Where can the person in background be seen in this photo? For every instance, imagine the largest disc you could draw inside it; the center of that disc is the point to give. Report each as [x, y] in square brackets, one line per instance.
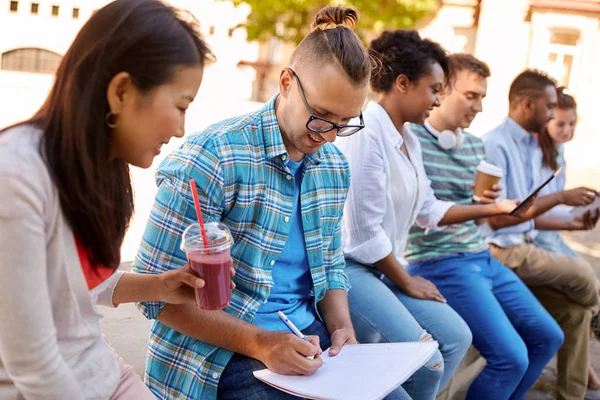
[511, 329]
[559, 131]
[389, 193]
[566, 286]
[275, 179]
[120, 93]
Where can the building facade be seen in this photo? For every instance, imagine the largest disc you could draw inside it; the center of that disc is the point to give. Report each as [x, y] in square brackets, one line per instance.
[35, 34]
[559, 37]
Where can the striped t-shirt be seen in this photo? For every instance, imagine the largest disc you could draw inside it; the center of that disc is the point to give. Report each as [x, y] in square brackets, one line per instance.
[451, 173]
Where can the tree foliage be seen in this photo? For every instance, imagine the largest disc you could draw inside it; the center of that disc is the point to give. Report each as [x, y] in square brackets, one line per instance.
[289, 20]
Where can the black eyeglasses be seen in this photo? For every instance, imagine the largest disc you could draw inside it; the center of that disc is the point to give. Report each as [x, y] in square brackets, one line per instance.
[322, 125]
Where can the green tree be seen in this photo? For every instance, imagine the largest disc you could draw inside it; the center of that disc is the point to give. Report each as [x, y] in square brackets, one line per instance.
[289, 20]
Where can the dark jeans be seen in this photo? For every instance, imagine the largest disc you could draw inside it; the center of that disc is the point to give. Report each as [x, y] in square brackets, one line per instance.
[238, 382]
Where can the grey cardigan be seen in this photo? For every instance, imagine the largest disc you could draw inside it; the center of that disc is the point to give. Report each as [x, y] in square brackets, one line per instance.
[51, 346]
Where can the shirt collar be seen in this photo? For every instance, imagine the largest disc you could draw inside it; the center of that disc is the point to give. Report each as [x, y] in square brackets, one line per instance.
[376, 111]
[272, 135]
[517, 131]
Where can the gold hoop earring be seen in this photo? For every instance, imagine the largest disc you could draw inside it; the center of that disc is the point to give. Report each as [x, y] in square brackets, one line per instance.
[108, 120]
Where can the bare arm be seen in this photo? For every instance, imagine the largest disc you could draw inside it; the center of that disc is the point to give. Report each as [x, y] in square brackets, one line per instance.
[458, 213]
[543, 223]
[393, 270]
[175, 286]
[335, 311]
[336, 314]
[413, 286]
[586, 222]
[581, 196]
[489, 197]
[539, 207]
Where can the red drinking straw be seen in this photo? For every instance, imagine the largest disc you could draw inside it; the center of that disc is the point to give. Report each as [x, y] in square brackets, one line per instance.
[199, 212]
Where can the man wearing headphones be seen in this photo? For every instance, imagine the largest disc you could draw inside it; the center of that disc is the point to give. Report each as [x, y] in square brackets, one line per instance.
[511, 329]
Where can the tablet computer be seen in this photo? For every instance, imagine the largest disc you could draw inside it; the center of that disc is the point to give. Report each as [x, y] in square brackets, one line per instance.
[536, 191]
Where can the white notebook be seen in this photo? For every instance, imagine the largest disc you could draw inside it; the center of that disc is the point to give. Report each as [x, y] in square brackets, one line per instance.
[362, 371]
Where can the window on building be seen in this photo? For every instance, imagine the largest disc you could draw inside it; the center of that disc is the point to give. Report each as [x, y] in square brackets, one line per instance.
[211, 30]
[75, 13]
[35, 8]
[562, 53]
[564, 38]
[30, 60]
[55, 11]
[230, 32]
[14, 6]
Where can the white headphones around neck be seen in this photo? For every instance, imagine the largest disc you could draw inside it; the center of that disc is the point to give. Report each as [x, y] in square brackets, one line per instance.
[449, 140]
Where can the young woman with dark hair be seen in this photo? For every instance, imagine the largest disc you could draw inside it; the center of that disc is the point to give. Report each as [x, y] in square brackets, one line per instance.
[120, 93]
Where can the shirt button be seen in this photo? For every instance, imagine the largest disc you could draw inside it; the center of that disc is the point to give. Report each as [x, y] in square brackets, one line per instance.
[289, 177]
[284, 157]
[272, 263]
[287, 219]
[215, 375]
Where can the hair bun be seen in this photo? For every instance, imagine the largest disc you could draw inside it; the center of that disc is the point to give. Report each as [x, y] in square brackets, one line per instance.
[335, 17]
[564, 90]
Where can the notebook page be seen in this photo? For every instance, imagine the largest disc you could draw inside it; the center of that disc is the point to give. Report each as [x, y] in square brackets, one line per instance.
[365, 372]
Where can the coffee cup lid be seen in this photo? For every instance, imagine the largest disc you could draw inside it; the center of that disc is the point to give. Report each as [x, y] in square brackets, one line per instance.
[217, 234]
[490, 169]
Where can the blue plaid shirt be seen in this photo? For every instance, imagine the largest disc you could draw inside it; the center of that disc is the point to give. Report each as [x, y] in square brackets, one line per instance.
[240, 166]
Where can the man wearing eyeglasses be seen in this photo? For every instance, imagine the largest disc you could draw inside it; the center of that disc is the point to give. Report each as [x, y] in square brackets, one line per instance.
[274, 178]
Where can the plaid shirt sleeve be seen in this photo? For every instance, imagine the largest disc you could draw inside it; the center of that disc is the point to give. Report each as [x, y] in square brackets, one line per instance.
[336, 277]
[173, 209]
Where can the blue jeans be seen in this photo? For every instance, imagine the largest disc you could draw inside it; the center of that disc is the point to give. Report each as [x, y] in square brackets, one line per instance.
[511, 329]
[381, 312]
[238, 382]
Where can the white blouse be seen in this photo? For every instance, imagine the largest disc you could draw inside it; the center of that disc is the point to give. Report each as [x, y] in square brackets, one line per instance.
[389, 192]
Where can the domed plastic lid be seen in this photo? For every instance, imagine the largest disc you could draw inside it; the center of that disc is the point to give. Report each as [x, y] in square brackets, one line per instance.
[217, 234]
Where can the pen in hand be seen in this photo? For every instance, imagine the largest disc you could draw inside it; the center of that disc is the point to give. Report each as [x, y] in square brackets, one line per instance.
[293, 329]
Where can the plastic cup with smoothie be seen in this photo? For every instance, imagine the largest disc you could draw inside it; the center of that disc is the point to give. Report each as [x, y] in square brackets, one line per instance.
[211, 262]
